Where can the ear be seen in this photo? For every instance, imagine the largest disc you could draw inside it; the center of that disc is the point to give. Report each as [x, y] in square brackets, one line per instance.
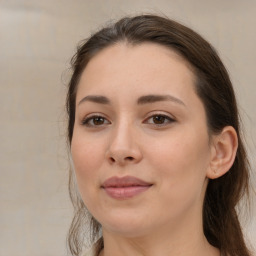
[223, 152]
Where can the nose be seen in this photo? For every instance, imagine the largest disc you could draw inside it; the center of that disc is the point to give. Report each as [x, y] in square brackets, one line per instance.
[123, 146]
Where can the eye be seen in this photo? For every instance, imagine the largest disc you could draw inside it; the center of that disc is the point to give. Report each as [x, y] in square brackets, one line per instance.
[160, 120]
[95, 120]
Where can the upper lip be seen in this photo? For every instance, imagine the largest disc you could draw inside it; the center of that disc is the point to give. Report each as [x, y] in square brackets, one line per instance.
[126, 181]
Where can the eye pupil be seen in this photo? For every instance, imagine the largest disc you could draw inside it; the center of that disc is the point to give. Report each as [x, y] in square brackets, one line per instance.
[98, 120]
[158, 119]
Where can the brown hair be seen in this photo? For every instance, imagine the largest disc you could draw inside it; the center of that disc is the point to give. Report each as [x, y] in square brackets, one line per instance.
[220, 220]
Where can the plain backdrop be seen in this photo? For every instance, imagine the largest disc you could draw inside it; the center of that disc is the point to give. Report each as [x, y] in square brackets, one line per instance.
[37, 40]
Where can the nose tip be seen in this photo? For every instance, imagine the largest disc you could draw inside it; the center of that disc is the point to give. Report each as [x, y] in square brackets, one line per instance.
[122, 160]
[124, 149]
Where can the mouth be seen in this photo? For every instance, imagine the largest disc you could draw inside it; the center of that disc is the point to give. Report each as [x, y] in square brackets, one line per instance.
[125, 187]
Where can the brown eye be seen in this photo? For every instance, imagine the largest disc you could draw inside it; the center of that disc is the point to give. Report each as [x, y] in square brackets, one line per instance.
[159, 119]
[94, 121]
[98, 120]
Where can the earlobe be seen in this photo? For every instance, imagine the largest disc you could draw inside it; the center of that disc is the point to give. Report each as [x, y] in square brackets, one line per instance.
[224, 148]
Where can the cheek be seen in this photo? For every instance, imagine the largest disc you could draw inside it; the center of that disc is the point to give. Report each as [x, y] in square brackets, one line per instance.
[181, 163]
[179, 153]
[87, 157]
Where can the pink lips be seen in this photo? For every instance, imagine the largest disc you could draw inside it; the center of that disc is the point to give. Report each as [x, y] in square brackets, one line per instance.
[125, 187]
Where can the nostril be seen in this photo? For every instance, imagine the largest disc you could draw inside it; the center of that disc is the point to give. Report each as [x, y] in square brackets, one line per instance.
[130, 158]
[112, 159]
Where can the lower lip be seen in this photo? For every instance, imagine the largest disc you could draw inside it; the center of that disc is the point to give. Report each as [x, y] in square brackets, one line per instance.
[125, 192]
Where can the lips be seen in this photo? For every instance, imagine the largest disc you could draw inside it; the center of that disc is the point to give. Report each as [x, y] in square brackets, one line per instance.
[125, 187]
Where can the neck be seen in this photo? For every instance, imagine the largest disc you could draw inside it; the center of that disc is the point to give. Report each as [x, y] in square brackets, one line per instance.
[187, 242]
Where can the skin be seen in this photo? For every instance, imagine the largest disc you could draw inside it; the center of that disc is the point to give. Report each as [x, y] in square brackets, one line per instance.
[177, 157]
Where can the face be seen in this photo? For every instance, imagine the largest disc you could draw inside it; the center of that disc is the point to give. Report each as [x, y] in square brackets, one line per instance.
[140, 143]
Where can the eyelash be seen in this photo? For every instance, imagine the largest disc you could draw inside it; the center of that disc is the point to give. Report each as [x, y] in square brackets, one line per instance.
[167, 119]
[86, 121]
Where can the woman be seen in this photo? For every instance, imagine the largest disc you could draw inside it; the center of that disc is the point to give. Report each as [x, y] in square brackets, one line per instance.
[155, 143]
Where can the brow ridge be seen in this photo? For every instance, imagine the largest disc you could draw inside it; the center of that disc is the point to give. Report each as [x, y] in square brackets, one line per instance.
[95, 98]
[152, 98]
[146, 99]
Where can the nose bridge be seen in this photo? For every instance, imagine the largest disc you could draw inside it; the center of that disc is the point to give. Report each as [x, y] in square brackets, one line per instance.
[122, 136]
[123, 145]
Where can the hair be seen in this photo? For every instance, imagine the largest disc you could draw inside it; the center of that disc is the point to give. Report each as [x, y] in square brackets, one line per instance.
[213, 86]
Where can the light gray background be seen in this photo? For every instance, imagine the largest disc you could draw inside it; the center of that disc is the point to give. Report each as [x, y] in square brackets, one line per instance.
[37, 39]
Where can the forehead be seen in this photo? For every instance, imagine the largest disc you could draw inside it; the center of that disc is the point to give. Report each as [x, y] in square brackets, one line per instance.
[145, 67]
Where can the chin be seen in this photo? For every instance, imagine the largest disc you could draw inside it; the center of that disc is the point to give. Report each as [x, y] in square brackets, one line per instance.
[125, 224]
[127, 231]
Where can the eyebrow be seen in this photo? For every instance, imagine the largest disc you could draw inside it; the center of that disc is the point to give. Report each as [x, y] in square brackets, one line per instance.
[96, 99]
[155, 98]
[152, 98]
